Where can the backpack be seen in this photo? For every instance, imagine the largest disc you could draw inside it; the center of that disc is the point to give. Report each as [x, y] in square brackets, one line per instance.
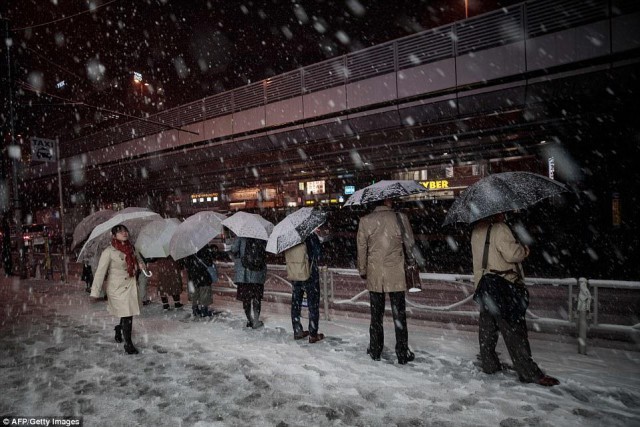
[255, 255]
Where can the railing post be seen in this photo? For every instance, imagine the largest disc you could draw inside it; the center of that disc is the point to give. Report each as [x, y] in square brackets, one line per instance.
[584, 306]
[325, 293]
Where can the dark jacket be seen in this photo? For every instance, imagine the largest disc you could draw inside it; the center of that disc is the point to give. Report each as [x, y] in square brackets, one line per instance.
[197, 272]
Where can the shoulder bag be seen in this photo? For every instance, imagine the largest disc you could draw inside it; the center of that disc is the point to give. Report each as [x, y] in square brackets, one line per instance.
[411, 270]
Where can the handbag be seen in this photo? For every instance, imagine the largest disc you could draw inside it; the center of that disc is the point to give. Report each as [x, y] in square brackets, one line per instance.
[411, 270]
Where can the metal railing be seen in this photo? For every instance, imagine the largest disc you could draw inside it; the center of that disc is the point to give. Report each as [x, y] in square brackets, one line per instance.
[579, 318]
[508, 25]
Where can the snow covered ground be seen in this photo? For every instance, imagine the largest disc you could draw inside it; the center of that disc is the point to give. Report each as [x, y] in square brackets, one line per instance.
[58, 358]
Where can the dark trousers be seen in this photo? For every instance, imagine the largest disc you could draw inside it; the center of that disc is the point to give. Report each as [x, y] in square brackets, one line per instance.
[517, 341]
[312, 286]
[376, 331]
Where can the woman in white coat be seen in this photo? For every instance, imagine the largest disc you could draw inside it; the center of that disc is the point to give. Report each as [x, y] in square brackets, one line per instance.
[118, 265]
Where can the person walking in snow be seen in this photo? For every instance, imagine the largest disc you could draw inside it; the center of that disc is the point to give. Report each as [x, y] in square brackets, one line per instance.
[302, 269]
[503, 298]
[117, 267]
[381, 264]
[250, 277]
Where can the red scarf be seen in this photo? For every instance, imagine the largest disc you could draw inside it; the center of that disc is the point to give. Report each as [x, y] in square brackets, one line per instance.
[127, 249]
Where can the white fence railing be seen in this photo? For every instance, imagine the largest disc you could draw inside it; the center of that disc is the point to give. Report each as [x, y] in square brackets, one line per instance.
[579, 317]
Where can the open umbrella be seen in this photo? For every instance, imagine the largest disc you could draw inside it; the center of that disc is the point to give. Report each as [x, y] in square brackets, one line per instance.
[194, 233]
[385, 190]
[153, 239]
[100, 237]
[294, 229]
[245, 224]
[501, 192]
[86, 226]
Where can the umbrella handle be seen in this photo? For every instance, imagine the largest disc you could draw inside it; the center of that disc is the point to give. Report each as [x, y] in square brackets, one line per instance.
[146, 273]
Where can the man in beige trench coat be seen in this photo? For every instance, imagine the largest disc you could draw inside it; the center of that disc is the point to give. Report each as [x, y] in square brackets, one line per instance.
[381, 263]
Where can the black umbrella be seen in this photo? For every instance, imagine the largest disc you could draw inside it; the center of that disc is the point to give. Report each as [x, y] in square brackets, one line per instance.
[501, 192]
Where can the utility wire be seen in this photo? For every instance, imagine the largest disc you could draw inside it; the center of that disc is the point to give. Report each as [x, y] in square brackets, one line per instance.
[65, 18]
[70, 102]
[53, 63]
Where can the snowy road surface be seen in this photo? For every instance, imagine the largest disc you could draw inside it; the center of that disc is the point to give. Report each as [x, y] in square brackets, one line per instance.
[58, 358]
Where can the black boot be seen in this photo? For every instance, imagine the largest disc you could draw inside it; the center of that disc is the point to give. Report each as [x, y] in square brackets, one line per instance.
[176, 301]
[246, 305]
[127, 328]
[205, 312]
[118, 336]
[255, 314]
[165, 303]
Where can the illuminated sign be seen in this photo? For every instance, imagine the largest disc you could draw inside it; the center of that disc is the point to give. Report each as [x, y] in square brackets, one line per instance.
[552, 168]
[61, 84]
[201, 197]
[245, 194]
[349, 189]
[442, 184]
[137, 77]
[315, 187]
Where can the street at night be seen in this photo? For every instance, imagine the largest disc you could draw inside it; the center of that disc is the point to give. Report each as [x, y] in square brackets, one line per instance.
[447, 191]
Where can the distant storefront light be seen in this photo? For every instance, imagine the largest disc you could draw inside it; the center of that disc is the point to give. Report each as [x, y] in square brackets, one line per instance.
[315, 187]
[137, 77]
[349, 189]
[201, 199]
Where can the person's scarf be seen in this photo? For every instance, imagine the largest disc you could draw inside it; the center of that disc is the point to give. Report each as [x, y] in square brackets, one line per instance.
[127, 249]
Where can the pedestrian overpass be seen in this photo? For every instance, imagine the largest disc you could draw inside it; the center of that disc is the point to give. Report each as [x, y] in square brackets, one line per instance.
[491, 86]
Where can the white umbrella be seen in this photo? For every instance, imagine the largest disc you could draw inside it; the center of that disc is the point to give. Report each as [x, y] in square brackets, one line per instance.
[385, 190]
[153, 239]
[84, 227]
[194, 233]
[133, 218]
[294, 229]
[245, 224]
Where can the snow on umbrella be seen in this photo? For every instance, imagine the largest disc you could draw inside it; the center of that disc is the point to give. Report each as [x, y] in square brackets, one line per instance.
[245, 224]
[86, 226]
[132, 218]
[294, 229]
[194, 233]
[501, 192]
[153, 239]
[385, 190]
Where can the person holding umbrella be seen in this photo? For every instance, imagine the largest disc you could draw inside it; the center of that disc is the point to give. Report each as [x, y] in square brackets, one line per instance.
[296, 236]
[117, 266]
[497, 271]
[201, 282]
[248, 252]
[302, 269]
[250, 267]
[381, 264]
[498, 277]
